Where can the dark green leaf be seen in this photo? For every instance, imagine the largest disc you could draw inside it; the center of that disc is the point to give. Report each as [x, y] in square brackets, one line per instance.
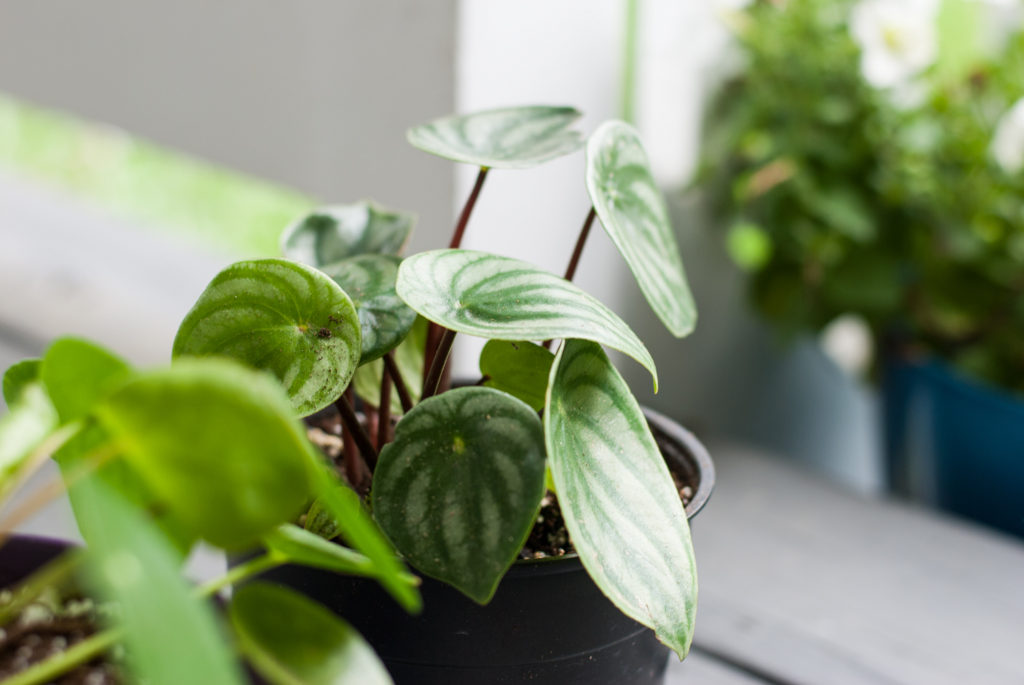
[360, 531]
[511, 138]
[320, 522]
[294, 641]
[283, 317]
[216, 442]
[458, 489]
[383, 318]
[634, 215]
[171, 636]
[506, 299]
[620, 504]
[17, 376]
[78, 374]
[330, 234]
[518, 368]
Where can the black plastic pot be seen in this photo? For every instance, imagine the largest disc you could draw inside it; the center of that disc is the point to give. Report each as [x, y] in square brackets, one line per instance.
[548, 623]
[21, 555]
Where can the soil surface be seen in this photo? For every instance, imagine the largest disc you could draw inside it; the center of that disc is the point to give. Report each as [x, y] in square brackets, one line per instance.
[46, 628]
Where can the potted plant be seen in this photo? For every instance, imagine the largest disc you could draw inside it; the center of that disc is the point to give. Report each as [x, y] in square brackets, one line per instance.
[456, 478]
[866, 164]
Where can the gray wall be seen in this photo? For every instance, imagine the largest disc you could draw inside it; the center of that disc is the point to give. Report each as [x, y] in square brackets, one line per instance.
[314, 94]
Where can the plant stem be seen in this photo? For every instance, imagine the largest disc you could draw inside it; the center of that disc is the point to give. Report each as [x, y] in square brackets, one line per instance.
[384, 410]
[39, 456]
[396, 377]
[359, 435]
[433, 330]
[62, 662]
[574, 261]
[239, 573]
[467, 209]
[50, 575]
[444, 348]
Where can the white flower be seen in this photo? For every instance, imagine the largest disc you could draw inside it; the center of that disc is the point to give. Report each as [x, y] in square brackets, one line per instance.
[897, 39]
[1008, 142]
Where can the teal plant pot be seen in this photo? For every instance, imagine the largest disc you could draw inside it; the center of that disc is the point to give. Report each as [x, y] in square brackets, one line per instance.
[955, 443]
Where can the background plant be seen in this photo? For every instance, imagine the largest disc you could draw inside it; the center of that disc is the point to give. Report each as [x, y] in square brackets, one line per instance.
[865, 161]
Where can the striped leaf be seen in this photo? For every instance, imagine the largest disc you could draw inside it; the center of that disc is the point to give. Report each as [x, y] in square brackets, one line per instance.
[510, 138]
[384, 319]
[217, 443]
[505, 299]
[458, 489]
[292, 640]
[634, 215]
[519, 368]
[330, 234]
[282, 317]
[621, 507]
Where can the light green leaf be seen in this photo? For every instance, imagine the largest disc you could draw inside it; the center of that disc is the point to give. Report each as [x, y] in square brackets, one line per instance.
[171, 637]
[218, 443]
[458, 489]
[506, 299]
[633, 213]
[283, 317]
[17, 376]
[518, 368]
[78, 374]
[330, 234]
[292, 640]
[360, 531]
[299, 546]
[510, 138]
[30, 418]
[409, 360]
[320, 522]
[620, 504]
[384, 320]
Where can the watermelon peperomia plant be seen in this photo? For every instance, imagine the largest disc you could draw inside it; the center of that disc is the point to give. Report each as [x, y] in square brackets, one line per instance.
[212, 447]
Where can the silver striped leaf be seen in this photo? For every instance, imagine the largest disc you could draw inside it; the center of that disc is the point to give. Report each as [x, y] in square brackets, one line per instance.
[330, 234]
[505, 299]
[384, 320]
[509, 138]
[620, 504]
[633, 213]
[282, 317]
[458, 489]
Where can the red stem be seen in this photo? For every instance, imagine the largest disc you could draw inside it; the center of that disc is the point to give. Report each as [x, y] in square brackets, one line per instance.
[444, 348]
[384, 410]
[580, 242]
[396, 377]
[360, 437]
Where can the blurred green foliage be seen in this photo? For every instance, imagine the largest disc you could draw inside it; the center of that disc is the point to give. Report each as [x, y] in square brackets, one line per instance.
[158, 186]
[842, 198]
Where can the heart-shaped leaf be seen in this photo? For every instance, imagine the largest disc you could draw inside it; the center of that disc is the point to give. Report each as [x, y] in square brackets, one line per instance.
[519, 368]
[283, 317]
[384, 319]
[218, 443]
[17, 376]
[330, 234]
[291, 640]
[360, 531]
[634, 215]
[620, 505]
[506, 299]
[408, 358]
[458, 489]
[171, 636]
[510, 138]
[78, 374]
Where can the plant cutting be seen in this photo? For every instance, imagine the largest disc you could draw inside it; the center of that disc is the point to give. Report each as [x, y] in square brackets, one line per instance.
[456, 477]
[866, 164]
